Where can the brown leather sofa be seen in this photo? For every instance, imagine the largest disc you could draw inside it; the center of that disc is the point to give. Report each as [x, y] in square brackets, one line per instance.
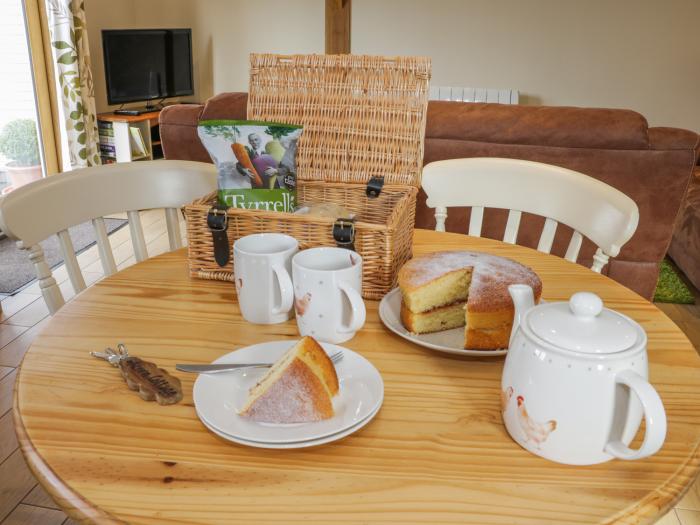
[651, 165]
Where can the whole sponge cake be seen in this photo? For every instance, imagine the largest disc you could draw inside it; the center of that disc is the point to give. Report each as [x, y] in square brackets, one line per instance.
[297, 389]
[446, 290]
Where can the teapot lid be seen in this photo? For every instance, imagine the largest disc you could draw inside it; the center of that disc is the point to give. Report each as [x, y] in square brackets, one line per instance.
[583, 325]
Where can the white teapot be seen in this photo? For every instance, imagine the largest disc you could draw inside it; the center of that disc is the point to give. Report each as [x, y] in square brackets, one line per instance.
[574, 385]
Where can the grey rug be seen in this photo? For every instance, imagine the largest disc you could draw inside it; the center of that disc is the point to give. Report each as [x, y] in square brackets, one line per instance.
[16, 270]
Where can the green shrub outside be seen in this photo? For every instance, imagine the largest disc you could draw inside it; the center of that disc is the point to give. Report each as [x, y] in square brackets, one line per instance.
[19, 142]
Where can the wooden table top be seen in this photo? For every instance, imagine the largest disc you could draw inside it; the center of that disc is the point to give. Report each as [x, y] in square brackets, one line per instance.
[437, 452]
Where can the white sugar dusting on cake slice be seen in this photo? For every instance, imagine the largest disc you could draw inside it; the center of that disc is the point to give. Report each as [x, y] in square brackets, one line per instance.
[298, 388]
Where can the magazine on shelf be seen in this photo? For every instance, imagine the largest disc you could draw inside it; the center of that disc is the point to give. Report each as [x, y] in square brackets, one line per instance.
[138, 146]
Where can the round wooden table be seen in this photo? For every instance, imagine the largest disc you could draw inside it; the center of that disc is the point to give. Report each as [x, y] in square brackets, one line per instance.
[437, 452]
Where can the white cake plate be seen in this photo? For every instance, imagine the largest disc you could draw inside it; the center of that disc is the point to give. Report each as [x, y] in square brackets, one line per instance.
[449, 341]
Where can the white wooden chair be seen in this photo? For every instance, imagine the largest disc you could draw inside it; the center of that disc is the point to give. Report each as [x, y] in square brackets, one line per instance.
[590, 207]
[50, 206]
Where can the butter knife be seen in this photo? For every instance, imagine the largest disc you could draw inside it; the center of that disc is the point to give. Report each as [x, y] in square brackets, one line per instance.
[225, 367]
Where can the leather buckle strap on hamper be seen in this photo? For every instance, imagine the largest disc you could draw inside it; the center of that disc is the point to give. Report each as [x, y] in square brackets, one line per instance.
[374, 187]
[344, 233]
[217, 220]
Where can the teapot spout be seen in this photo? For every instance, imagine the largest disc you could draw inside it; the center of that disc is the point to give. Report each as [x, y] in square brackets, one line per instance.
[523, 300]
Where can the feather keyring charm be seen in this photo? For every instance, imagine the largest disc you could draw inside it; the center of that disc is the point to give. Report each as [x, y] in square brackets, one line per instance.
[150, 382]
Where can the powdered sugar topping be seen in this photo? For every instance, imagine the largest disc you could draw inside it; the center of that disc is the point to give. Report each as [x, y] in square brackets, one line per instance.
[491, 274]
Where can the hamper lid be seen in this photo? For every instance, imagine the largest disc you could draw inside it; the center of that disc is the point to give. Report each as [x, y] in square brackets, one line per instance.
[363, 116]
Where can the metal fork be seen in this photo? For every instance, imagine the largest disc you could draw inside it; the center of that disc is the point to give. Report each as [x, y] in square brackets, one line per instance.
[227, 367]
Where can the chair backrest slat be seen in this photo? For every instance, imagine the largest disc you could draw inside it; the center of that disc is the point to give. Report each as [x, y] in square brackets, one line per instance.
[512, 227]
[88, 194]
[574, 247]
[71, 261]
[173, 223]
[593, 209]
[475, 221]
[137, 239]
[547, 236]
[104, 247]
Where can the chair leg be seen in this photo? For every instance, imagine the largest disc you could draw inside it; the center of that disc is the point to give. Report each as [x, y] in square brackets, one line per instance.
[600, 259]
[440, 216]
[49, 289]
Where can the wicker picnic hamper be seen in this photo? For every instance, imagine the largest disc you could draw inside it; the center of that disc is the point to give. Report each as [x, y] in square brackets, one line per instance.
[364, 119]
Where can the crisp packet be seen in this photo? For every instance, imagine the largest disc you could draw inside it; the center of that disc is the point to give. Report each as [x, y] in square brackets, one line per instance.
[256, 162]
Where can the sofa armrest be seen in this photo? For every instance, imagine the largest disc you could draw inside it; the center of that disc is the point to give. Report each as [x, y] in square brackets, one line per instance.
[178, 133]
[178, 124]
[673, 139]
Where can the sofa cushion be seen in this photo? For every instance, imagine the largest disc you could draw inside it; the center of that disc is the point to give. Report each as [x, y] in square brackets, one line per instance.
[561, 127]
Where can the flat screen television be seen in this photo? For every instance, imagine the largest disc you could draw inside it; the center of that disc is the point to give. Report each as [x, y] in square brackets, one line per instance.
[147, 64]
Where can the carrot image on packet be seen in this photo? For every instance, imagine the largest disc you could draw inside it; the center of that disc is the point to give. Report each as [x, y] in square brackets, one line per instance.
[242, 155]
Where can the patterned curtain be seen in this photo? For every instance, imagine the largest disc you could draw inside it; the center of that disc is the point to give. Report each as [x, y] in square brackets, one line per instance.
[71, 54]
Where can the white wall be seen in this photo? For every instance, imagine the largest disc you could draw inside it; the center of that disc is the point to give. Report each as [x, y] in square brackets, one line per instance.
[224, 33]
[229, 30]
[637, 54]
[131, 14]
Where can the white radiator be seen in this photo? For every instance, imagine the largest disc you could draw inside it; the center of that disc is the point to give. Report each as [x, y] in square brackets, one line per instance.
[459, 94]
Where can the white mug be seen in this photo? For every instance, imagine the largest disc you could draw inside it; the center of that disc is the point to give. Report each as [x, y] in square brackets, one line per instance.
[262, 266]
[322, 278]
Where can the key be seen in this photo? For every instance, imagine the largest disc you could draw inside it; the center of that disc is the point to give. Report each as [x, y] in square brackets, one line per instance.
[108, 355]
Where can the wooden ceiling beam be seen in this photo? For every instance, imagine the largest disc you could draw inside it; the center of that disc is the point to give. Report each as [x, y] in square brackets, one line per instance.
[338, 18]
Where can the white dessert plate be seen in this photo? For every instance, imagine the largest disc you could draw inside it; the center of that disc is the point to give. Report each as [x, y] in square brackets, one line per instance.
[450, 341]
[325, 439]
[219, 397]
[296, 444]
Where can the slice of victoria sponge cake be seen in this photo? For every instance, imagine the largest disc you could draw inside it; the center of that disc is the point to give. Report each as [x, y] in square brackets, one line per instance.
[297, 389]
[445, 290]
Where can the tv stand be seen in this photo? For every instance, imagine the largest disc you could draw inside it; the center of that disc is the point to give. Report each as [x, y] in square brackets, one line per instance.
[126, 138]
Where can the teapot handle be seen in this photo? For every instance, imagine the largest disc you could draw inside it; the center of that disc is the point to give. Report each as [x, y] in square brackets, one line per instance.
[654, 417]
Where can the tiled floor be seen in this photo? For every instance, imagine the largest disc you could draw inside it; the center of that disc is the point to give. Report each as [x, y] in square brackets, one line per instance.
[23, 501]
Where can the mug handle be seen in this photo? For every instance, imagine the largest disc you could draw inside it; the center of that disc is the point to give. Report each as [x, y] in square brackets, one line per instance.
[358, 309]
[654, 416]
[286, 290]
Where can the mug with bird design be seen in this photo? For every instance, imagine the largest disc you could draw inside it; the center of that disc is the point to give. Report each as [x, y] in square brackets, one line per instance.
[328, 293]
